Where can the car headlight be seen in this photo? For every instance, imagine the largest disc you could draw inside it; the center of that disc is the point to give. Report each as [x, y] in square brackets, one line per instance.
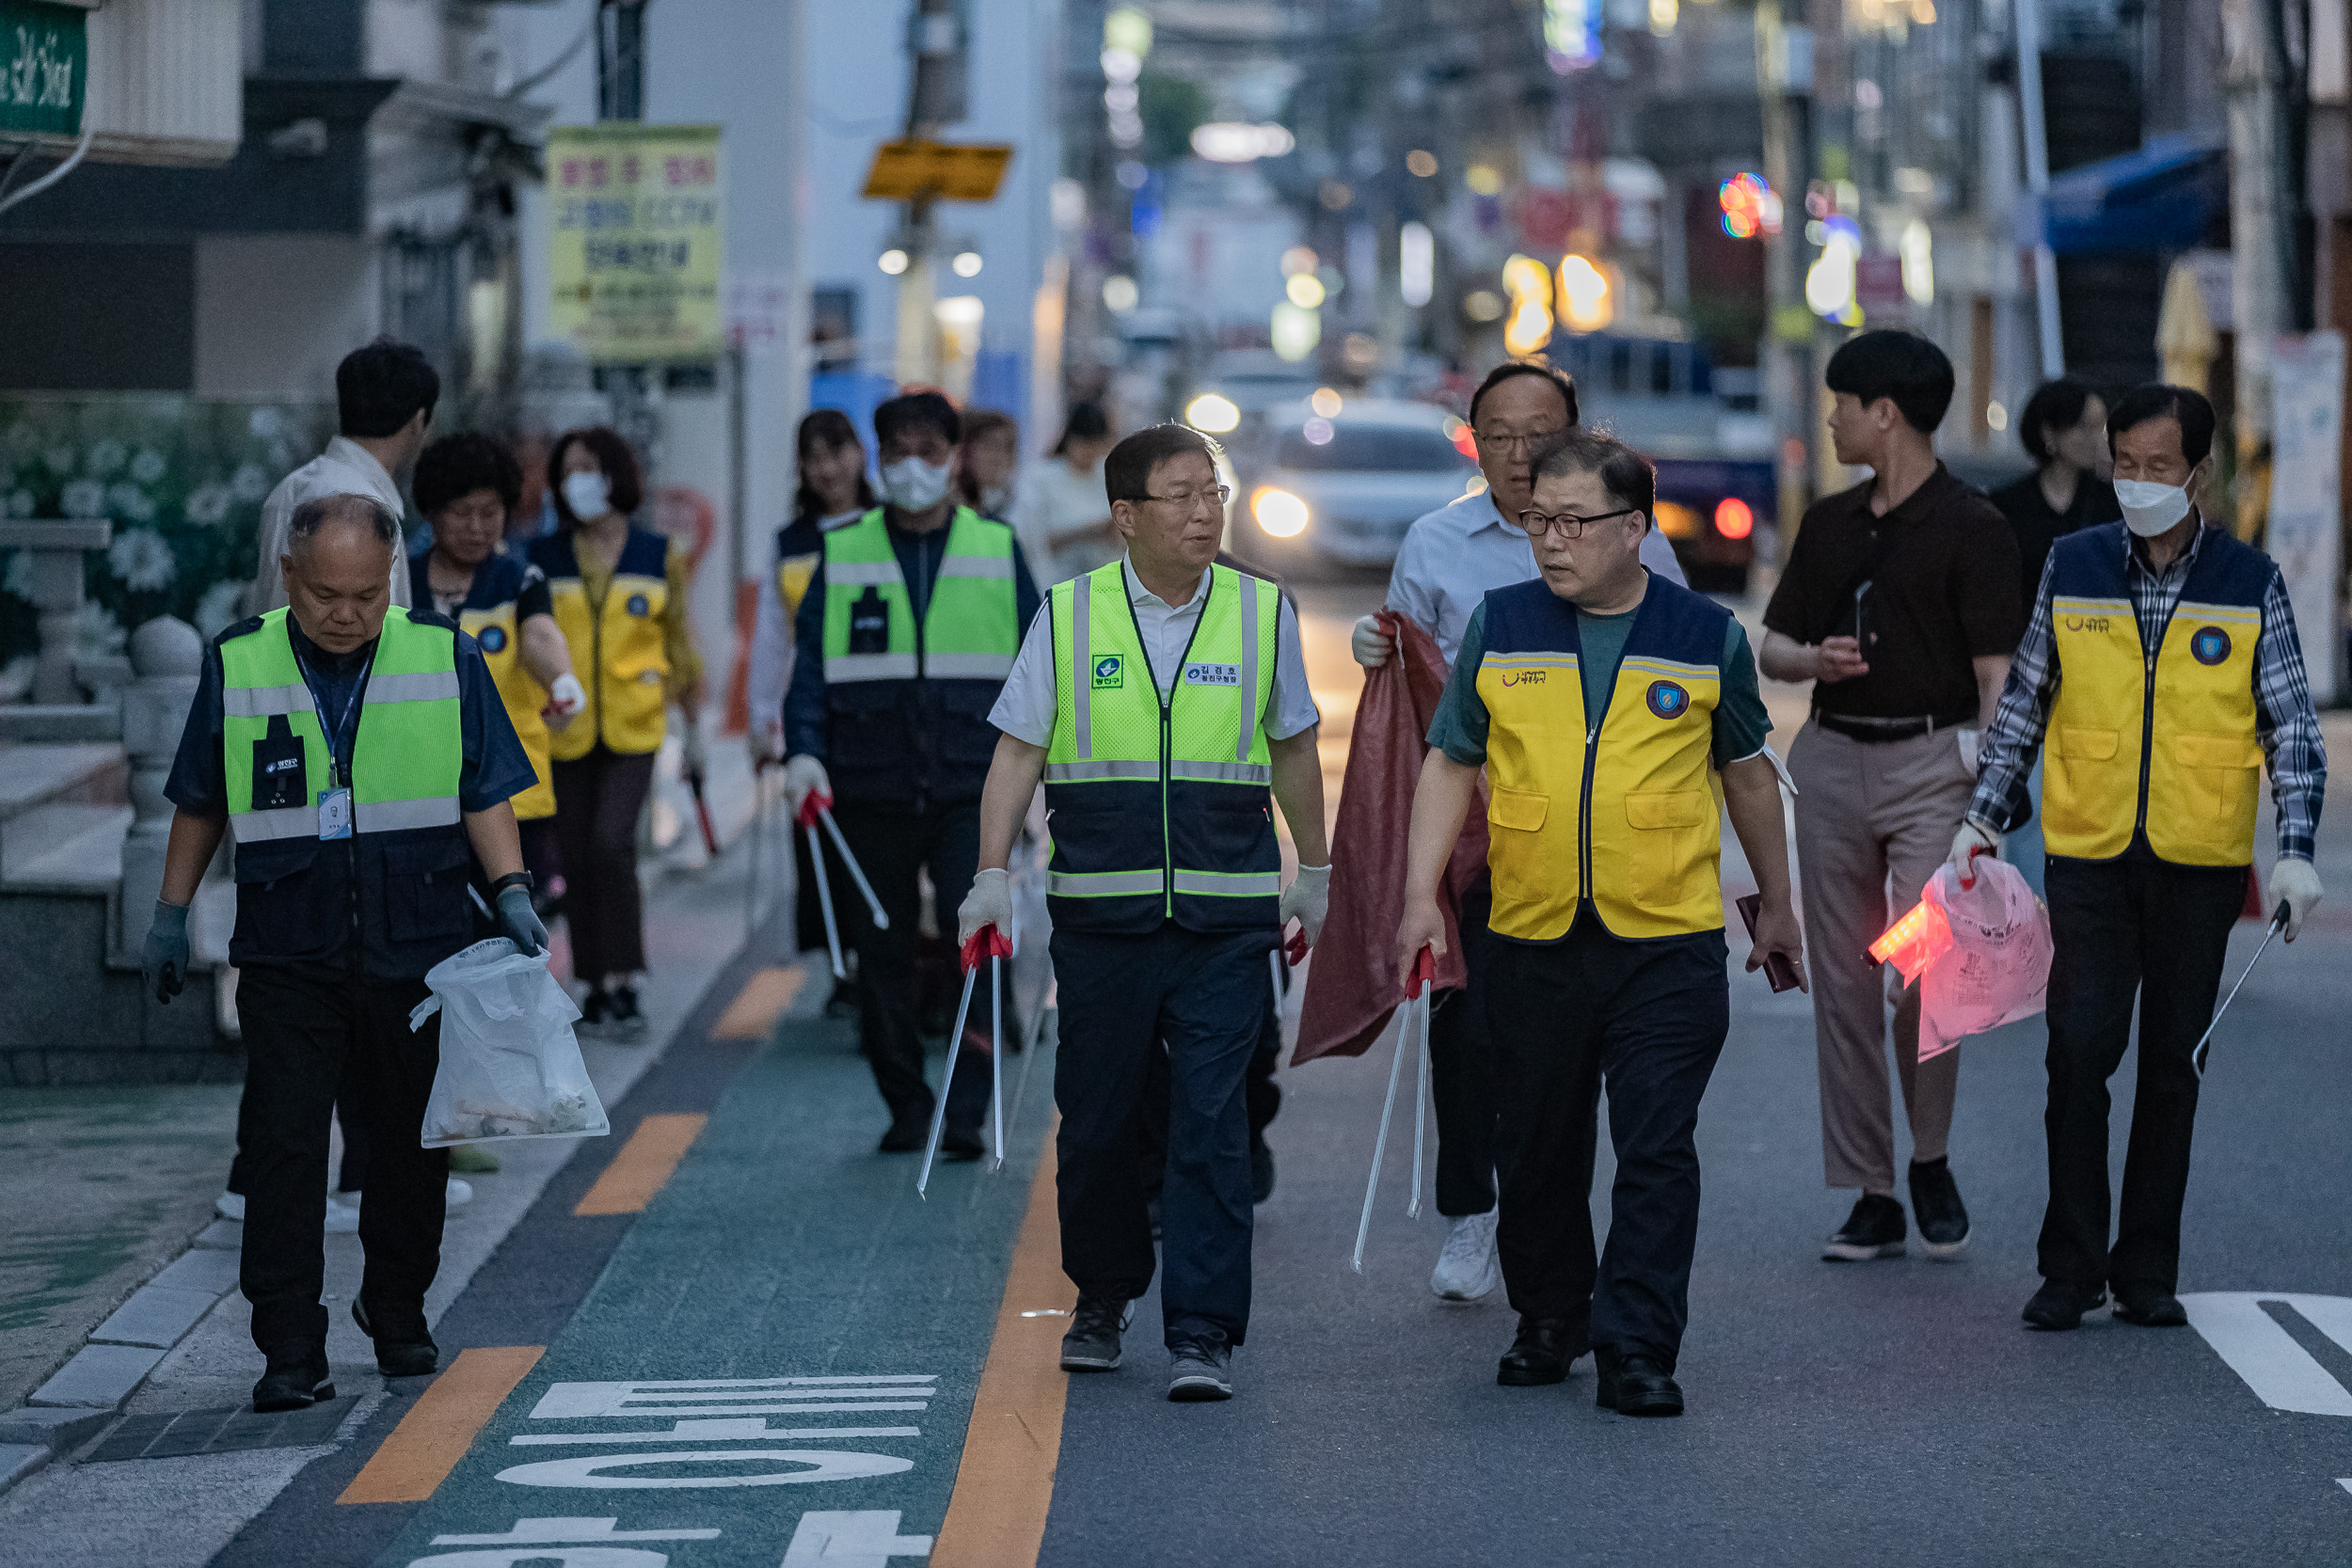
[1279, 513]
[1212, 414]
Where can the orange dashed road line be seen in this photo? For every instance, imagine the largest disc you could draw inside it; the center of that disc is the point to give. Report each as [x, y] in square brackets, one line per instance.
[642, 1167]
[1005, 1485]
[759, 1005]
[441, 1425]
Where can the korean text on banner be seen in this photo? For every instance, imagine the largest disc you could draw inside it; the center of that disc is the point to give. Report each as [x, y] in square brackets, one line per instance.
[634, 240]
[2306, 494]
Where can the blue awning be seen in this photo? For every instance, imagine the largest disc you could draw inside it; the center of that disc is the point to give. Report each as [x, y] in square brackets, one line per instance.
[2161, 198]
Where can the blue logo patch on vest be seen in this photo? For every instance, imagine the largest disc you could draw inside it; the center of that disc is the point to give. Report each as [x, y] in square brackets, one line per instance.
[1667, 700]
[2209, 645]
[1108, 670]
[640, 605]
[491, 638]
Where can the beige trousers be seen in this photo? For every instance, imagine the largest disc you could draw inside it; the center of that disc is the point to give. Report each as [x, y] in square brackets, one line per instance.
[1872, 817]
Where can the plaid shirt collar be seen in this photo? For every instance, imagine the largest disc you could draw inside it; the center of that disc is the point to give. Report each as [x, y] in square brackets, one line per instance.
[2136, 552]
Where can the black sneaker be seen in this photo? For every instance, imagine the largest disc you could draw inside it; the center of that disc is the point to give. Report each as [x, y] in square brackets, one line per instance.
[1874, 1229]
[596, 1014]
[2150, 1307]
[404, 1346]
[1935, 1201]
[1201, 1370]
[1092, 1343]
[297, 1379]
[628, 1021]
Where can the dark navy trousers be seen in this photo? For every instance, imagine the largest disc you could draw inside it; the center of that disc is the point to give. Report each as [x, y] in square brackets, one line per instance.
[1204, 995]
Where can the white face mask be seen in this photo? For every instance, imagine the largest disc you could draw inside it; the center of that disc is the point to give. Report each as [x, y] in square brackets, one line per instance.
[911, 484]
[2149, 508]
[589, 496]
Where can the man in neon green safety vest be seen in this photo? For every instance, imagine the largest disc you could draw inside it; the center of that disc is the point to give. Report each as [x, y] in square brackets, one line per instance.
[361, 757]
[1163, 700]
[902, 641]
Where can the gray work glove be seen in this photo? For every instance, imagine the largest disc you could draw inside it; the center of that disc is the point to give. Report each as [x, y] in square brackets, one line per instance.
[518, 922]
[164, 963]
[1309, 900]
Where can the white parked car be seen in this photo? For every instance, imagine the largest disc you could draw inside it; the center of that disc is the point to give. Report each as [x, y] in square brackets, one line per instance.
[1348, 478]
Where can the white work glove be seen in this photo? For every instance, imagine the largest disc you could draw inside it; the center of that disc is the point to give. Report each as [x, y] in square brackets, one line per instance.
[1308, 898]
[804, 776]
[693, 761]
[1967, 844]
[566, 698]
[1368, 644]
[989, 903]
[2296, 885]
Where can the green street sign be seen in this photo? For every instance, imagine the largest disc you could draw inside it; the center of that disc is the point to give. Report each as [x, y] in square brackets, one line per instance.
[44, 67]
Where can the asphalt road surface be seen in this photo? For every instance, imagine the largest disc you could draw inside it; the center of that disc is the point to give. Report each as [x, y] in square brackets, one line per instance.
[766, 1349]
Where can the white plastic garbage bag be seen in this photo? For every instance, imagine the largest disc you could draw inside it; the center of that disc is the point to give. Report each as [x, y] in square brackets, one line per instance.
[510, 1067]
[1998, 969]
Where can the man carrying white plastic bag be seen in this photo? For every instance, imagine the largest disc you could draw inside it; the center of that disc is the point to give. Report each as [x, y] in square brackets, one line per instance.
[509, 1066]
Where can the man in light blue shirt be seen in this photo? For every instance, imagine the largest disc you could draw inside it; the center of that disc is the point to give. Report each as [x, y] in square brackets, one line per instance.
[1448, 561]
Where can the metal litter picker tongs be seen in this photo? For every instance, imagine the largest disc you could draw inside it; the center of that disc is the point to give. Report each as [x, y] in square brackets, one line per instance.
[2204, 1041]
[816, 808]
[1422, 989]
[993, 943]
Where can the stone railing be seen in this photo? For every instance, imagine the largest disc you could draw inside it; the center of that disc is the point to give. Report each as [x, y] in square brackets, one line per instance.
[53, 577]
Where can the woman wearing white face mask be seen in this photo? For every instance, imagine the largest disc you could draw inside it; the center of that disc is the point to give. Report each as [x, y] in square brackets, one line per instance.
[619, 593]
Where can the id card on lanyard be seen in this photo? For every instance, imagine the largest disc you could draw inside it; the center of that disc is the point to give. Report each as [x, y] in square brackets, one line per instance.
[335, 800]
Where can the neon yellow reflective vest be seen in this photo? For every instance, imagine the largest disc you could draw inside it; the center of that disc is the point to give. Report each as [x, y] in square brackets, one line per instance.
[1160, 809]
[1618, 806]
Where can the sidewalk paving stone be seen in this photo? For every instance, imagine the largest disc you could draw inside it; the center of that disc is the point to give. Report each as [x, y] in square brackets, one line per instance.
[155, 1315]
[206, 1268]
[99, 1376]
[18, 1460]
[221, 1233]
[59, 1428]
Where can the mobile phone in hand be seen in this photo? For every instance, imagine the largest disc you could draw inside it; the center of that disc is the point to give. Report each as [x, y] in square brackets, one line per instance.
[1779, 968]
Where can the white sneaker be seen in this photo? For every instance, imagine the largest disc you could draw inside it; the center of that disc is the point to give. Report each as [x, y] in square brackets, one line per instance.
[230, 1205]
[459, 1191]
[342, 1219]
[1465, 1268]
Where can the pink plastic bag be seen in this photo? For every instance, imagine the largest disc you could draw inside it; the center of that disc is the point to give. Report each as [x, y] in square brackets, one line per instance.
[1998, 969]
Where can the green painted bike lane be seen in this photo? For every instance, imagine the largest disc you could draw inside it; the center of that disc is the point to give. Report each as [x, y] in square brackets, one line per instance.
[787, 1331]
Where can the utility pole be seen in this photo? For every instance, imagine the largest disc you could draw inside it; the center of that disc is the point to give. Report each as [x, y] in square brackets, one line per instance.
[2037, 137]
[1783, 59]
[935, 99]
[621, 95]
[2254, 70]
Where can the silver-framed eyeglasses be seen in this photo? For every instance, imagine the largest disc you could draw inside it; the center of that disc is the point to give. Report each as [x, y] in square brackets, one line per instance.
[1569, 525]
[1185, 500]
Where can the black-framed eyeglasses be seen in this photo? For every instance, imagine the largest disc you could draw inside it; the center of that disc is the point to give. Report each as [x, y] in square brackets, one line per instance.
[1510, 443]
[1569, 525]
[1219, 493]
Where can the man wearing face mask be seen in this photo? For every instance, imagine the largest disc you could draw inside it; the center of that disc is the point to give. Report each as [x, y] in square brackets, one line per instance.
[904, 637]
[2162, 665]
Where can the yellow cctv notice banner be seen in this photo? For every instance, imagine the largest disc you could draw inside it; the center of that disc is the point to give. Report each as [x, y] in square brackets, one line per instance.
[633, 240]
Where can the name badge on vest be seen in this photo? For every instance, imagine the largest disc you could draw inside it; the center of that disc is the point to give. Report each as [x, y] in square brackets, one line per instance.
[870, 623]
[334, 814]
[1212, 675]
[280, 774]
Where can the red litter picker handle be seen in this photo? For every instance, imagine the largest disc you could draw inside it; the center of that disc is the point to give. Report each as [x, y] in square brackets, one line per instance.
[986, 942]
[813, 805]
[1424, 974]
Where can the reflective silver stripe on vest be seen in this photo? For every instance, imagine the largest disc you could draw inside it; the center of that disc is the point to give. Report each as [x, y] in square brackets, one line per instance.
[976, 566]
[432, 686]
[259, 827]
[842, 669]
[1095, 772]
[1230, 884]
[989, 667]
[265, 702]
[1105, 884]
[1257, 773]
[1082, 662]
[391, 816]
[1249, 731]
[863, 574]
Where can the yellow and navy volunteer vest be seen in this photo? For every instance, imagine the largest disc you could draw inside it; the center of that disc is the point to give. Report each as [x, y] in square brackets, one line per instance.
[907, 702]
[618, 653]
[2165, 744]
[1617, 806]
[1159, 809]
[796, 563]
[397, 884]
[488, 616]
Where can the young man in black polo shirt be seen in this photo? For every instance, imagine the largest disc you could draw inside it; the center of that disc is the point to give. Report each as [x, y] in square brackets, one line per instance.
[1899, 602]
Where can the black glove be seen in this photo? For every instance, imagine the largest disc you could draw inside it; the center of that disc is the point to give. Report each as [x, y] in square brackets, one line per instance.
[164, 964]
[519, 922]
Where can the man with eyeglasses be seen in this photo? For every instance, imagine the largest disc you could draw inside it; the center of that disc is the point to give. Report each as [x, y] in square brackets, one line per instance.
[1164, 701]
[1450, 560]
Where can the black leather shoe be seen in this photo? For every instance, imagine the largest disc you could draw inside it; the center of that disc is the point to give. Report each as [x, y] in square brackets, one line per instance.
[1635, 1385]
[2150, 1307]
[961, 1144]
[1540, 1354]
[403, 1347]
[297, 1379]
[2059, 1304]
[904, 1137]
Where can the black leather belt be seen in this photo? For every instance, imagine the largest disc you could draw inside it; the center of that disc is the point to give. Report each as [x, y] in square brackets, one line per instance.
[1878, 730]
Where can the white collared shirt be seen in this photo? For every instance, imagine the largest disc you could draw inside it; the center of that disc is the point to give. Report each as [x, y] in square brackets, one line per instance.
[1026, 706]
[1452, 559]
[344, 468]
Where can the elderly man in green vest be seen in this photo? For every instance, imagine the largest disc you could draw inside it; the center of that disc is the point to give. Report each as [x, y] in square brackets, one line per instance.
[361, 758]
[1164, 701]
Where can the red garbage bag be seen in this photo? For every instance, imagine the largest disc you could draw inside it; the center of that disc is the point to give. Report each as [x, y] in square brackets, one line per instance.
[1352, 985]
